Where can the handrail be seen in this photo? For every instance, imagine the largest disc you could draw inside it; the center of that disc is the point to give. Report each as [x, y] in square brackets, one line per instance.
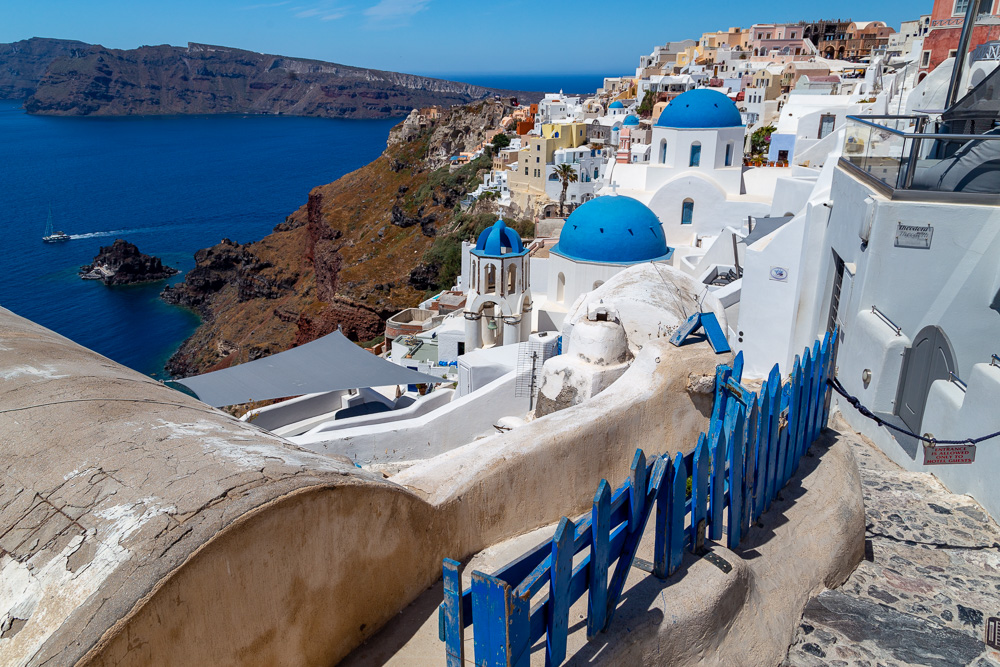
[918, 135]
[957, 380]
[885, 318]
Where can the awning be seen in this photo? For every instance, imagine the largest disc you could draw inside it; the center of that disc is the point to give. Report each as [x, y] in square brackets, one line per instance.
[329, 363]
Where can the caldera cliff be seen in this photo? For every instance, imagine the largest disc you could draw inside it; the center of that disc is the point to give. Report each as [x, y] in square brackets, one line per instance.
[374, 242]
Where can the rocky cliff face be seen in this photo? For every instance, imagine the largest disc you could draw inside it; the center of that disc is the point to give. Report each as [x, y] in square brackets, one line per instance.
[360, 249]
[213, 79]
[121, 263]
[22, 64]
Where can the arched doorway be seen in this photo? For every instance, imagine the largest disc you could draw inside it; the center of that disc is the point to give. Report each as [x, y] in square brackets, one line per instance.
[929, 358]
[560, 288]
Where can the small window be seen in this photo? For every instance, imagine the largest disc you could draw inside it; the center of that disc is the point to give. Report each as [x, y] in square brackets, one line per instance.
[687, 212]
[729, 154]
[926, 59]
[695, 154]
[826, 124]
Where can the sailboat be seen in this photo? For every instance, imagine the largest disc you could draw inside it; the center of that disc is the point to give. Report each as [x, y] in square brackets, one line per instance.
[50, 236]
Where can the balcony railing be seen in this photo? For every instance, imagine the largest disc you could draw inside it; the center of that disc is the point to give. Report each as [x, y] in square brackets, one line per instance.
[897, 154]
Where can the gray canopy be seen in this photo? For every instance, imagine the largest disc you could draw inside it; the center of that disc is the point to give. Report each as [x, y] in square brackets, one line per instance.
[326, 364]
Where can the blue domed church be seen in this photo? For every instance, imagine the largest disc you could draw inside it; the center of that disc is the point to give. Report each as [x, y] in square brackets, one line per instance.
[693, 181]
[599, 239]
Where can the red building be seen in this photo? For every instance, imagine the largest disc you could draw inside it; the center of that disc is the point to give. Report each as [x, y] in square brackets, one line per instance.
[947, 19]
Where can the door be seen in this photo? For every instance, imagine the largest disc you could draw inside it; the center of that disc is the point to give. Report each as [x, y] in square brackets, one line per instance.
[927, 360]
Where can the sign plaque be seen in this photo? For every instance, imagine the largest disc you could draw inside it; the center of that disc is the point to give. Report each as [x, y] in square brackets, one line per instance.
[914, 236]
[949, 454]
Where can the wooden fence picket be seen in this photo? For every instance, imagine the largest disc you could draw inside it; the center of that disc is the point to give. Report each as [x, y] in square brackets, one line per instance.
[773, 414]
[662, 537]
[454, 628]
[597, 593]
[717, 497]
[700, 472]
[749, 460]
[560, 572]
[737, 445]
[676, 518]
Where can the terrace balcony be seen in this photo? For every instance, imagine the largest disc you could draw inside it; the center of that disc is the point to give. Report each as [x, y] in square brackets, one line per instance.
[902, 160]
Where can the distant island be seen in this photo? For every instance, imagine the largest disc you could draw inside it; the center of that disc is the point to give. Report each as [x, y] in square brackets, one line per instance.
[69, 78]
[121, 263]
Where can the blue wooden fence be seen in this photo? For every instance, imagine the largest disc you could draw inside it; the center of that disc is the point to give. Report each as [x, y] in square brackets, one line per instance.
[752, 448]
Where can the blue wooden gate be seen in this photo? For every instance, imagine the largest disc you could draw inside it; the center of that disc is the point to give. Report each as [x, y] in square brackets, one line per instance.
[752, 448]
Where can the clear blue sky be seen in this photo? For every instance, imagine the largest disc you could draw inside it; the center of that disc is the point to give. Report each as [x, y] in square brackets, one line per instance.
[425, 36]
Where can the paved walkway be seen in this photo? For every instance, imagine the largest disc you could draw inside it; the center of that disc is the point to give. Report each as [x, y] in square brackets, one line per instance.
[929, 581]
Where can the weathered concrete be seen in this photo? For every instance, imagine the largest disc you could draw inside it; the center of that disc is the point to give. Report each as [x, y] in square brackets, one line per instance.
[930, 578]
[811, 538]
[139, 524]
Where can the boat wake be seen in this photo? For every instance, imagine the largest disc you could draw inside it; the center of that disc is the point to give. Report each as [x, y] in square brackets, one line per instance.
[113, 232]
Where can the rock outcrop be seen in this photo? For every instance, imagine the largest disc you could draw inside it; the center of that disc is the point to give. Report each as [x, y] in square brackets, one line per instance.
[199, 79]
[360, 250]
[121, 263]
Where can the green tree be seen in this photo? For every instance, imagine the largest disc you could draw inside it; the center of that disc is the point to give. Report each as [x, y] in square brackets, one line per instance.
[566, 174]
[646, 106]
[500, 142]
[760, 140]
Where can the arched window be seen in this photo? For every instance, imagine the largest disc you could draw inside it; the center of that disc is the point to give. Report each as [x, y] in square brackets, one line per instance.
[729, 154]
[687, 212]
[560, 288]
[598, 283]
[696, 154]
[554, 176]
[491, 278]
[474, 275]
[511, 279]
[597, 173]
[663, 151]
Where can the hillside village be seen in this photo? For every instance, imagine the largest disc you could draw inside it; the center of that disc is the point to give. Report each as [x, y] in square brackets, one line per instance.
[715, 384]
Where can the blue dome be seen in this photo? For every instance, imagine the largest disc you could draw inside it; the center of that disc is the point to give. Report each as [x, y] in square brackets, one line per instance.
[499, 241]
[616, 105]
[630, 120]
[700, 108]
[613, 230]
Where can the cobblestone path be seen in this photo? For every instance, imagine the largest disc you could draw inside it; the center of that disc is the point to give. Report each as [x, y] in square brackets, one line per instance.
[929, 581]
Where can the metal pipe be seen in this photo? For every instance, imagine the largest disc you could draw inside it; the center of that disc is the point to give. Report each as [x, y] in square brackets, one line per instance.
[963, 51]
[884, 318]
[957, 380]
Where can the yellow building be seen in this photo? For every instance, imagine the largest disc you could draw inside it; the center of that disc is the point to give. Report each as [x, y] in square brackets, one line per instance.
[528, 181]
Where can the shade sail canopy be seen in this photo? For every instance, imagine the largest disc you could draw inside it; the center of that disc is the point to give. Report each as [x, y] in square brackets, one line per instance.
[329, 363]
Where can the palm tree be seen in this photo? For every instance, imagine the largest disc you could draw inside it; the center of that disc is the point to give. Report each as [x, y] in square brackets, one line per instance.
[566, 174]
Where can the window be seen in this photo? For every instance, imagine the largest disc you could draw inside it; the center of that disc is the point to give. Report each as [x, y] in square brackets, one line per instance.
[491, 278]
[537, 160]
[663, 151]
[961, 6]
[729, 154]
[560, 288]
[687, 212]
[826, 124]
[926, 59]
[696, 154]
[511, 279]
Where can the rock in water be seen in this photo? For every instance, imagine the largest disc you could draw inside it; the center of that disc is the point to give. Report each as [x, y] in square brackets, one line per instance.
[121, 263]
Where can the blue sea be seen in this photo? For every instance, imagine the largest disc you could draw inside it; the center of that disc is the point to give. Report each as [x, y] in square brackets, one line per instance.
[170, 185]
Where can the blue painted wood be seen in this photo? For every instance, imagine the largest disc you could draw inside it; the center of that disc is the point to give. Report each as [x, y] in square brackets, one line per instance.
[737, 373]
[737, 445]
[453, 629]
[821, 387]
[716, 503]
[661, 526]
[488, 617]
[828, 374]
[760, 463]
[773, 400]
[814, 412]
[716, 336]
[562, 569]
[722, 375]
[781, 460]
[518, 649]
[692, 324]
[677, 512]
[597, 601]
[795, 400]
[632, 539]
[807, 368]
[637, 489]
[749, 460]
[701, 471]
